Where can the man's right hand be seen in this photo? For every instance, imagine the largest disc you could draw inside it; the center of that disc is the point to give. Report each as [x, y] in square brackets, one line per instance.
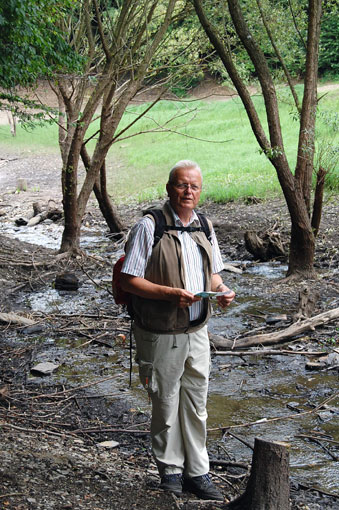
[184, 298]
[146, 289]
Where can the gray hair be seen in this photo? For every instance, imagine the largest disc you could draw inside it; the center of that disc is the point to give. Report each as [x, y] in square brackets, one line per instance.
[184, 163]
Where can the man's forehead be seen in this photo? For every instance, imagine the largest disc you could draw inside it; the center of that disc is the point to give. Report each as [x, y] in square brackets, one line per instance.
[188, 173]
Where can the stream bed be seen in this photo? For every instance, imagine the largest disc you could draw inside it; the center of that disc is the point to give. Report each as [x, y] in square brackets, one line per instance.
[272, 397]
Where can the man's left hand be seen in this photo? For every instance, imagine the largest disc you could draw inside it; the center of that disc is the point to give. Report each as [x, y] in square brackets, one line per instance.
[226, 299]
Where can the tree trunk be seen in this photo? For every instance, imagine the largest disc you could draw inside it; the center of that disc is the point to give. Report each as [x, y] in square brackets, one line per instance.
[71, 235]
[302, 249]
[296, 188]
[107, 208]
[304, 167]
[109, 212]
[268, 485]
[318, 200]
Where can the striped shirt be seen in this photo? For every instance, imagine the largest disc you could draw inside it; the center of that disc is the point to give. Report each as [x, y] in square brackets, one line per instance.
[140, 243]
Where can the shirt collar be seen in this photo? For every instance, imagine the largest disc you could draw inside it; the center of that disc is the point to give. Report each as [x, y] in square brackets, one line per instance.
[177, 220]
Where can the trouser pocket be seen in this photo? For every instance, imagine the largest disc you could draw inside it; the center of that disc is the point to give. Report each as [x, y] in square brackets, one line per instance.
[146, 376]
[146, 343]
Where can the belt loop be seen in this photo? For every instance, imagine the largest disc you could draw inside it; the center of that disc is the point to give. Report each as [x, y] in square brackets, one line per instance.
[174, 346]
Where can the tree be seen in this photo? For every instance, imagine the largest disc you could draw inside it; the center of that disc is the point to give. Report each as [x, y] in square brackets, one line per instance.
[118, 41]
[31, 47]
[296, 186]
[329, 40]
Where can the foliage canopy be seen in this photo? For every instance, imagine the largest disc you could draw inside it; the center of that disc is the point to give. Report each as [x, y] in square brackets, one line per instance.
[31, 45]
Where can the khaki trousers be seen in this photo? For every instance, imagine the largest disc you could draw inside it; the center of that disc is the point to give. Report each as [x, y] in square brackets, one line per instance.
[174, 369]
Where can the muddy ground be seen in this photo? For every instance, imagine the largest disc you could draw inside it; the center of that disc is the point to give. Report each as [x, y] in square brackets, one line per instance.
[51, 426]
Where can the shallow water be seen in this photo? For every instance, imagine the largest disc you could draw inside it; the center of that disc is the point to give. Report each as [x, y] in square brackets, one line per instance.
[49, 235]
[243, 389]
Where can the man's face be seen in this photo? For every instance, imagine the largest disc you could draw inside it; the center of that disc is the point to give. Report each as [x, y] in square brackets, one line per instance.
[184, 191]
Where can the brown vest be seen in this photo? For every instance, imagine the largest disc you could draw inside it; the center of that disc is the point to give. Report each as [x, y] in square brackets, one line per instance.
[165, 267]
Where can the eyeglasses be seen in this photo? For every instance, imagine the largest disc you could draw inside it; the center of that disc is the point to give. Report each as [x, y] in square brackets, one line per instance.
[185, 186]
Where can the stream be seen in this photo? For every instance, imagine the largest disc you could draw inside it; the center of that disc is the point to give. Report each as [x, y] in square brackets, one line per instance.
[255, 390]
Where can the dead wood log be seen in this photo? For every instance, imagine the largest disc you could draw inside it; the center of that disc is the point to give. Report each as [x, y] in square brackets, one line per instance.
[268, 484]
[277, 336]
[255, 245]
[40, 214]
[37, 209]
[266, 248]
[13, 318]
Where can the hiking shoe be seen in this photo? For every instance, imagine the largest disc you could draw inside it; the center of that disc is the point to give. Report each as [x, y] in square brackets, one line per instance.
[202, 487]
[172, 483]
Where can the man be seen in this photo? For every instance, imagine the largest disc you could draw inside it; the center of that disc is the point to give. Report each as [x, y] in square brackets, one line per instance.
[170, 329]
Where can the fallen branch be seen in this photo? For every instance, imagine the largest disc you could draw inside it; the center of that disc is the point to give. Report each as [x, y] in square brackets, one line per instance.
[13, 318]
[110, 429]
[278, 336]
[319, 441]
[37, 431]
[263, 352]
[12, 494]
[64, 392]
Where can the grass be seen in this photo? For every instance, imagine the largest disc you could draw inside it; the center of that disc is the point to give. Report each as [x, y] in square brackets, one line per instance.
[216, 134]
[41, 138]
[226, 150]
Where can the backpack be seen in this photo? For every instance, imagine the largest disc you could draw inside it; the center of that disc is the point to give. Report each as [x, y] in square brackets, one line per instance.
[124, 298]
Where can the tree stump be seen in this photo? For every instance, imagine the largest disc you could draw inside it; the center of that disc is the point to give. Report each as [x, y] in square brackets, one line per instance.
[307, 303]
[268, 485]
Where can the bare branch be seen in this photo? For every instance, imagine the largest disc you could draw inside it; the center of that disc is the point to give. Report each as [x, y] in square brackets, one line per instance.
[234, 75]
[278, 54]
[103, 39]
[296, 25]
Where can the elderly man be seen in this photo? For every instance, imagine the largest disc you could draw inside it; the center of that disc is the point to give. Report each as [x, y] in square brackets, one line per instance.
[170, 329]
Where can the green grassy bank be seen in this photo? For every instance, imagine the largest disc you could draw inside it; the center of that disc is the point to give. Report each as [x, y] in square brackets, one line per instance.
[216, 134]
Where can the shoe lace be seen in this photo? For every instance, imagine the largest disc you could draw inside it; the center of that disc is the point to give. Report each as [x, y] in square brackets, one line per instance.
[206, 481]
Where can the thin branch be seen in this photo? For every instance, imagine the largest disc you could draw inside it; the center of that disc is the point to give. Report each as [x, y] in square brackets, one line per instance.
[296, 26]
[167, 130]
[278, 54]
[101, 32]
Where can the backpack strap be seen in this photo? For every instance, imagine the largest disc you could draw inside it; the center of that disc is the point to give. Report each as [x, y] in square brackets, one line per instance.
[161, 227]
[160, 223]
[205, 226]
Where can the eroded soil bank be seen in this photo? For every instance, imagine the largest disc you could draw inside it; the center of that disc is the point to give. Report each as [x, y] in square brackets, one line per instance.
[51, 426]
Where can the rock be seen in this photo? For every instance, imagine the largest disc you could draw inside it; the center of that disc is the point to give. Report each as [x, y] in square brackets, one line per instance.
[272, 319]
[108, 444]
[66, 281]
[20, 222]
[31, 330]
[332, 359]
[44, 368]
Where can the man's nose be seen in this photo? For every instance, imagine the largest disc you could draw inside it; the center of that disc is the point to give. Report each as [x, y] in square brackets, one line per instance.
[188, 188]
